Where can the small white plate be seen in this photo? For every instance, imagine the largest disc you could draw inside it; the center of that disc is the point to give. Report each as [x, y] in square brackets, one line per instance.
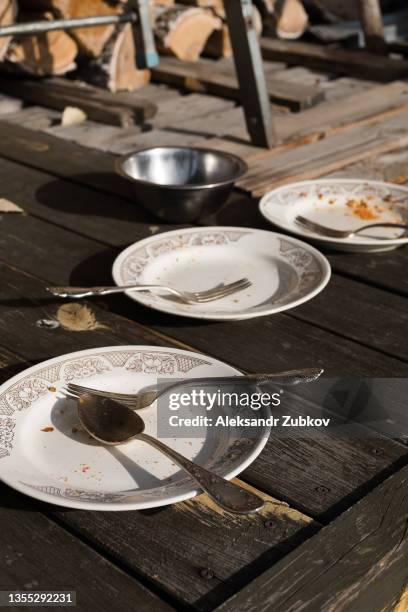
[343, 204]
[43, 455]
[284, 272]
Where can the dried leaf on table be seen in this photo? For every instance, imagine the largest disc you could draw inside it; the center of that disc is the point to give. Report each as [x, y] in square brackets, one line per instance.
[75, 317]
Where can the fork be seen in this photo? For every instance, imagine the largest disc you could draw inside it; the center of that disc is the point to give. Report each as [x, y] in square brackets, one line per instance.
[143, 399]
[334, 233]
[197, 297]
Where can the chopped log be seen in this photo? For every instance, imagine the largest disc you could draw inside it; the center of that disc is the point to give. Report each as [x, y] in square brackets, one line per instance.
[290, 19]
[115, 69]
[371, 20]
[91, 41]
[51, 53]
[183, 31]
[8, 14]
[219, 43]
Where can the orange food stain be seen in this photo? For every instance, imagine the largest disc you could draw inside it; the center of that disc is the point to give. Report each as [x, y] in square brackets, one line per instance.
[362, 210]
[47, 429]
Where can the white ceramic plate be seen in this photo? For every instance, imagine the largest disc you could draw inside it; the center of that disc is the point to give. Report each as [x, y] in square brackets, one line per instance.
[43, 455]
[341, 204]
[284, 271]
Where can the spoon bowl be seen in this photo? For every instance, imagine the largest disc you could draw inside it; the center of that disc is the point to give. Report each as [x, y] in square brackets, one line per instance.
[112, 423]
[108, 421]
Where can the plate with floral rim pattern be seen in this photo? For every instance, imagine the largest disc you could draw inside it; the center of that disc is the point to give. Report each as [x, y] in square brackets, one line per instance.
[284, 272]
[44, 453]
[341, 204]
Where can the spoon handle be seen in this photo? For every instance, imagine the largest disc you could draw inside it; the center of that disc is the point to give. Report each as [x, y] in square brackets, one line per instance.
[228, 495]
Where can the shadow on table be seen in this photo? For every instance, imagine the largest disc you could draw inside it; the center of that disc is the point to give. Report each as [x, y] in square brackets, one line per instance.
[103, 194]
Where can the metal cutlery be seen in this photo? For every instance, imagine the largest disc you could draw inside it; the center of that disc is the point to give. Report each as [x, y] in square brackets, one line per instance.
[143, 399]
[197, 297]
[334, 233]
[112, 423]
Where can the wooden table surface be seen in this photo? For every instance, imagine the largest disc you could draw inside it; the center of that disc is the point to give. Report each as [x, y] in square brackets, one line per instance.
[333, 533]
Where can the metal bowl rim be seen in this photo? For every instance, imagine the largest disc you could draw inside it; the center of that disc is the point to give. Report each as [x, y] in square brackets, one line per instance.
[242, 168]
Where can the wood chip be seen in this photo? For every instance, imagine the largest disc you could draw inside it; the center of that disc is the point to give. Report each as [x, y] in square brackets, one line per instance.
[9, 207]
[72, 116]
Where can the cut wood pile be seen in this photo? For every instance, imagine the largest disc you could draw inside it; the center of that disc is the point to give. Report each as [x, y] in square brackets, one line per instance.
[105, 55]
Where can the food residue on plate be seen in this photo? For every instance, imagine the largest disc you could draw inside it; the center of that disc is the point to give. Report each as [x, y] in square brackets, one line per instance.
[47, 429]
[363, 210]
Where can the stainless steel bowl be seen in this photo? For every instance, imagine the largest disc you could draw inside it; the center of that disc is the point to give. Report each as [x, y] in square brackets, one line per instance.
[181, 184]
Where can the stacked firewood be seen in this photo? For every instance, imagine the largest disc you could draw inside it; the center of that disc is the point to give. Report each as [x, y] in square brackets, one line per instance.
[105, 55]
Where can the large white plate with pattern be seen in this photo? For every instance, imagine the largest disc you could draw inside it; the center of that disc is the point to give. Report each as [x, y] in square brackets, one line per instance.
[44, 454]
[341, 204]
[284, 271]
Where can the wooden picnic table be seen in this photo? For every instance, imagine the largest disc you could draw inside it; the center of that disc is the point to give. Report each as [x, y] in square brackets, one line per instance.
[333, 533]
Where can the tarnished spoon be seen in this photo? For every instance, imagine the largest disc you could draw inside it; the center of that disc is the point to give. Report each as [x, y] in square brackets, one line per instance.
[113, 423]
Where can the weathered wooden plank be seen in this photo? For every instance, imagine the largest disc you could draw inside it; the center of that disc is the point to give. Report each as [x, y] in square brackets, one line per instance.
[340, 61]
[99, 105]
[93, 134]
[327, 155]
[301, 75]
[29, 545]
[315, 123]
[342, 88]
[41, 150]
[356, 563]
[204, 77]
[390, 167]
[176, 131]
[307, 479]
[9, 105]
[368, 315]
[69, 204]
[34, 117]
[384, 270]
[125, 143]
[176, 111]
[192, 550]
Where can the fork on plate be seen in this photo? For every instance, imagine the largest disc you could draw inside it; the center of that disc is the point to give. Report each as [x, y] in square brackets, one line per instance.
[323, 230]
[195, 297]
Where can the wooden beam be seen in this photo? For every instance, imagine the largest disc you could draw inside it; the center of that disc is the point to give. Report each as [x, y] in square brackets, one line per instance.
[208, 77]
[340, 61]
[98, 104]
[358, 562]
[323, 156]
